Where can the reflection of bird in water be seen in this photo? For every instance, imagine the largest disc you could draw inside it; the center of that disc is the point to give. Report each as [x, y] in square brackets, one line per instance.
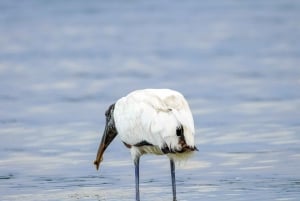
[156, 121]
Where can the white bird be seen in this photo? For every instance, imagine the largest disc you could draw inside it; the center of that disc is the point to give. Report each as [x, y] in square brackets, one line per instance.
[156, 121]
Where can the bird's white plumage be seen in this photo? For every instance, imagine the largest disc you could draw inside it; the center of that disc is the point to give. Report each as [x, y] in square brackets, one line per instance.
[153, 115]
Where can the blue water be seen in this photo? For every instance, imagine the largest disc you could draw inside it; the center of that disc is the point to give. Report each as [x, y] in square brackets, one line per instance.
[62, 63]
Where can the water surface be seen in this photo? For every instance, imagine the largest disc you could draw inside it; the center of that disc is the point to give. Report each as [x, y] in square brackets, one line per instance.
[63, 63]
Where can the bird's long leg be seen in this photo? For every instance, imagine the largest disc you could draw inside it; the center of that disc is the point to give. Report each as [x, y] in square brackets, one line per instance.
[172, 165]
[137, 178]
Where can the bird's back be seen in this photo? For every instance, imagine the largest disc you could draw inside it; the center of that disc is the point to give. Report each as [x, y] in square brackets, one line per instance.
[158, 117]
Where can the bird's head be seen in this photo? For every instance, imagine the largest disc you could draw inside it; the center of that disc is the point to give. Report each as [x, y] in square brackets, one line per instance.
[110, 132]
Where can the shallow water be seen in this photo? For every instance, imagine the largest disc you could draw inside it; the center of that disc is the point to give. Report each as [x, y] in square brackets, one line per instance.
[63, 63]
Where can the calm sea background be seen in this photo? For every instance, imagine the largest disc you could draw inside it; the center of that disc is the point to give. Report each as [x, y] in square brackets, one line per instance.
[62, 63]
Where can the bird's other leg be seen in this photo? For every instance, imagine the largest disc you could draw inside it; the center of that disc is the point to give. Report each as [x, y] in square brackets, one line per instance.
[172, 165]
[137, 178]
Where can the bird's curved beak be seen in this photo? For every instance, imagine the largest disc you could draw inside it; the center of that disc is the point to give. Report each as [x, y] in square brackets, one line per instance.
[108, 136]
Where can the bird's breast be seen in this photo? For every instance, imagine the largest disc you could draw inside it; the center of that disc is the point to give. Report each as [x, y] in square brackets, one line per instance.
[149, 150]
[145, 147]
